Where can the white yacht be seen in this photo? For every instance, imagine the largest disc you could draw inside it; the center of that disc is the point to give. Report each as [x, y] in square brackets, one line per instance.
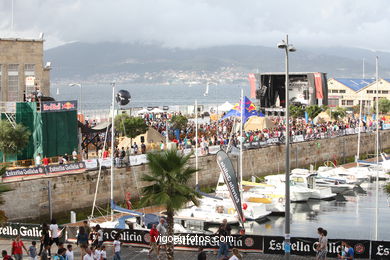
[303, 177]
[297, 193]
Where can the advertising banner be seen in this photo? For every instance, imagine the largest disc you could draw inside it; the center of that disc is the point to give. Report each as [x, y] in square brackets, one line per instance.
[380, 250]
[186, 241]
[58, 106]
[33, 171]
[307, 246]
[298, 138]
[91, 164]
[66, 168]
[252, 83]
[230, 178]
[106, 162]
[26, 231]
[214, 149]
[138, 159]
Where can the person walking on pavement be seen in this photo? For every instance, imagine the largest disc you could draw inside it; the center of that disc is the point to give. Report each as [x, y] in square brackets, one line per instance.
[17, 248]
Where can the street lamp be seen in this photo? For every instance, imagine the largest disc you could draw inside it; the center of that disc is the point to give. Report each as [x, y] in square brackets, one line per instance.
[287, 245]
[81, 93]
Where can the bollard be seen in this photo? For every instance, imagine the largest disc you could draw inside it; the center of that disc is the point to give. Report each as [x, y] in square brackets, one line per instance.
[72, 217]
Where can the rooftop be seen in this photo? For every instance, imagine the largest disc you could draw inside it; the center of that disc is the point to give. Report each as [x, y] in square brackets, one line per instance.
[356, 84]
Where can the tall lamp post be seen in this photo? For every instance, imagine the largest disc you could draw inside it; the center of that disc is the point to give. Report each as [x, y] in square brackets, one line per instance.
[81, 93]
[287, 245]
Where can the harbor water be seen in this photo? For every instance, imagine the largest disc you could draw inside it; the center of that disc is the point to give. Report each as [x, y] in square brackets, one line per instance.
[350, 216]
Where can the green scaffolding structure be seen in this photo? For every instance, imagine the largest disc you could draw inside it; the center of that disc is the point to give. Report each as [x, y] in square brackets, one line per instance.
[52, 133]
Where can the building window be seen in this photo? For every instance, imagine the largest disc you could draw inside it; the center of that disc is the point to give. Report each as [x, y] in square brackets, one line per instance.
[1, 74]
[13, 67]
[349, 102]
[343, 102]
[385, 92]
[13, 87]
[29, 69]
[342, 91]
[370, 92]
[335, 91]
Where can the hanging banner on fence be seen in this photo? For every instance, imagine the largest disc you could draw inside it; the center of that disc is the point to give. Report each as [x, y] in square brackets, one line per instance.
[24, 172]
[230, 178]
[273, 140]
[66, 168]
[380, 250]
[91, 164]
[58, 106]
[307, 246]
[298, 138]
[106, 162]
[138, 159]
[25, 231]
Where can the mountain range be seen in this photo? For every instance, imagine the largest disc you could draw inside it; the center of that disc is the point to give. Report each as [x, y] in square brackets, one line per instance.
[83, 60]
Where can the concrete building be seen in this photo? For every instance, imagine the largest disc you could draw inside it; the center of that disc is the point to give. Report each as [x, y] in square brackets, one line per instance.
[347, 92]
[22, 71]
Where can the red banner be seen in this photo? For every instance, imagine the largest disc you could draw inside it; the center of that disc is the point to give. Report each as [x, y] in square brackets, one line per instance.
[318, 85]
[252, 83]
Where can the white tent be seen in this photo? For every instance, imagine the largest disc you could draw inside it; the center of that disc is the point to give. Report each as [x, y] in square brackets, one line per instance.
[157, 110]
[225, 107]
[142, 111]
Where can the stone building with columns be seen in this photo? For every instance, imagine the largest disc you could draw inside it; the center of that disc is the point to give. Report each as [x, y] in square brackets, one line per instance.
[22, 69]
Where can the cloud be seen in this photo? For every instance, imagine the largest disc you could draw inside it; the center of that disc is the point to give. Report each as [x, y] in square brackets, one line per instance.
[192, 24]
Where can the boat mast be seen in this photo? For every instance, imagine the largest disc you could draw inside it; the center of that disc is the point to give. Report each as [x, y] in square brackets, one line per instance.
[196, 141]
[377, 152]
[112, 148]
[360, 120]
[242, 138]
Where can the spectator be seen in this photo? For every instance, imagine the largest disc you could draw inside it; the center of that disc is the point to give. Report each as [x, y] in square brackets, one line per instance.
[88, 254]
[153, 240]
[82, 240]
[54, 232]
[32, 251]
[201, 254]
[17, 248]
[45, 161]
[5, 255]
[69, 252]
[236, 255]
[45, 239]
[74, 155]
[38, 159]
[117, 247]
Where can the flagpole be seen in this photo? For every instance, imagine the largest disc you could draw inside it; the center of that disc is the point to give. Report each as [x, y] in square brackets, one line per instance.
[112, 148]
[360, 120]
[242, 138]
[196, 140]
[377, 153]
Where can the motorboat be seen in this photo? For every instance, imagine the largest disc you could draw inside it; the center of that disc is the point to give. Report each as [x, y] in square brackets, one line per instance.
[208, 215]
[339, 174]
[297, 193]
[336, 186]
[303, 177]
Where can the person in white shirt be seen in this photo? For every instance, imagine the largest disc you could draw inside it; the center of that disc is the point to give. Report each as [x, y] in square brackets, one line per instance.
[88, 255]
[74, 155]
[103, 253]
[38, 160]
[97, 254]
[117, 247]
[54, 232]
[236, 255]
[69, 253]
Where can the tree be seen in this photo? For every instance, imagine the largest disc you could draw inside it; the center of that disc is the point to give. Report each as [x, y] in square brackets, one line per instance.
[384, 105]
[13, 140]
[179, 122]
[296, 111]
[169, 186]
[130, 126]
[339, 113]
[314, 110]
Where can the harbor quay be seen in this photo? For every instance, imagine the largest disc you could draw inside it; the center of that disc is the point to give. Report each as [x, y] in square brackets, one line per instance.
[28, 198]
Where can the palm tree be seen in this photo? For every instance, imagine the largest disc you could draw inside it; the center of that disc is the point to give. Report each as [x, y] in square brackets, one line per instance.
[169, 186]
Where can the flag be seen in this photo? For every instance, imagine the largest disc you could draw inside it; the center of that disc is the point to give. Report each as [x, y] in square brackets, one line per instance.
[231, 181]
[248, 107]
[252, 83]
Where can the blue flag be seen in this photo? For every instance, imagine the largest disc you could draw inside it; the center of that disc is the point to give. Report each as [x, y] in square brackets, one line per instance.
[249, 109]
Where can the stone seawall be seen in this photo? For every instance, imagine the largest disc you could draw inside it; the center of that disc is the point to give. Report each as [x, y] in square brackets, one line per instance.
[29, 199]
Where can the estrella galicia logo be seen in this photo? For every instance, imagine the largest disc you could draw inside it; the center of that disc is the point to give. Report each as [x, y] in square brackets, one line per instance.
[359, 248]
[249, 242]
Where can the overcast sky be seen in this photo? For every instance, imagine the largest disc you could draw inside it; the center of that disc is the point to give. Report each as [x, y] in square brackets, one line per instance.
[200, 23]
